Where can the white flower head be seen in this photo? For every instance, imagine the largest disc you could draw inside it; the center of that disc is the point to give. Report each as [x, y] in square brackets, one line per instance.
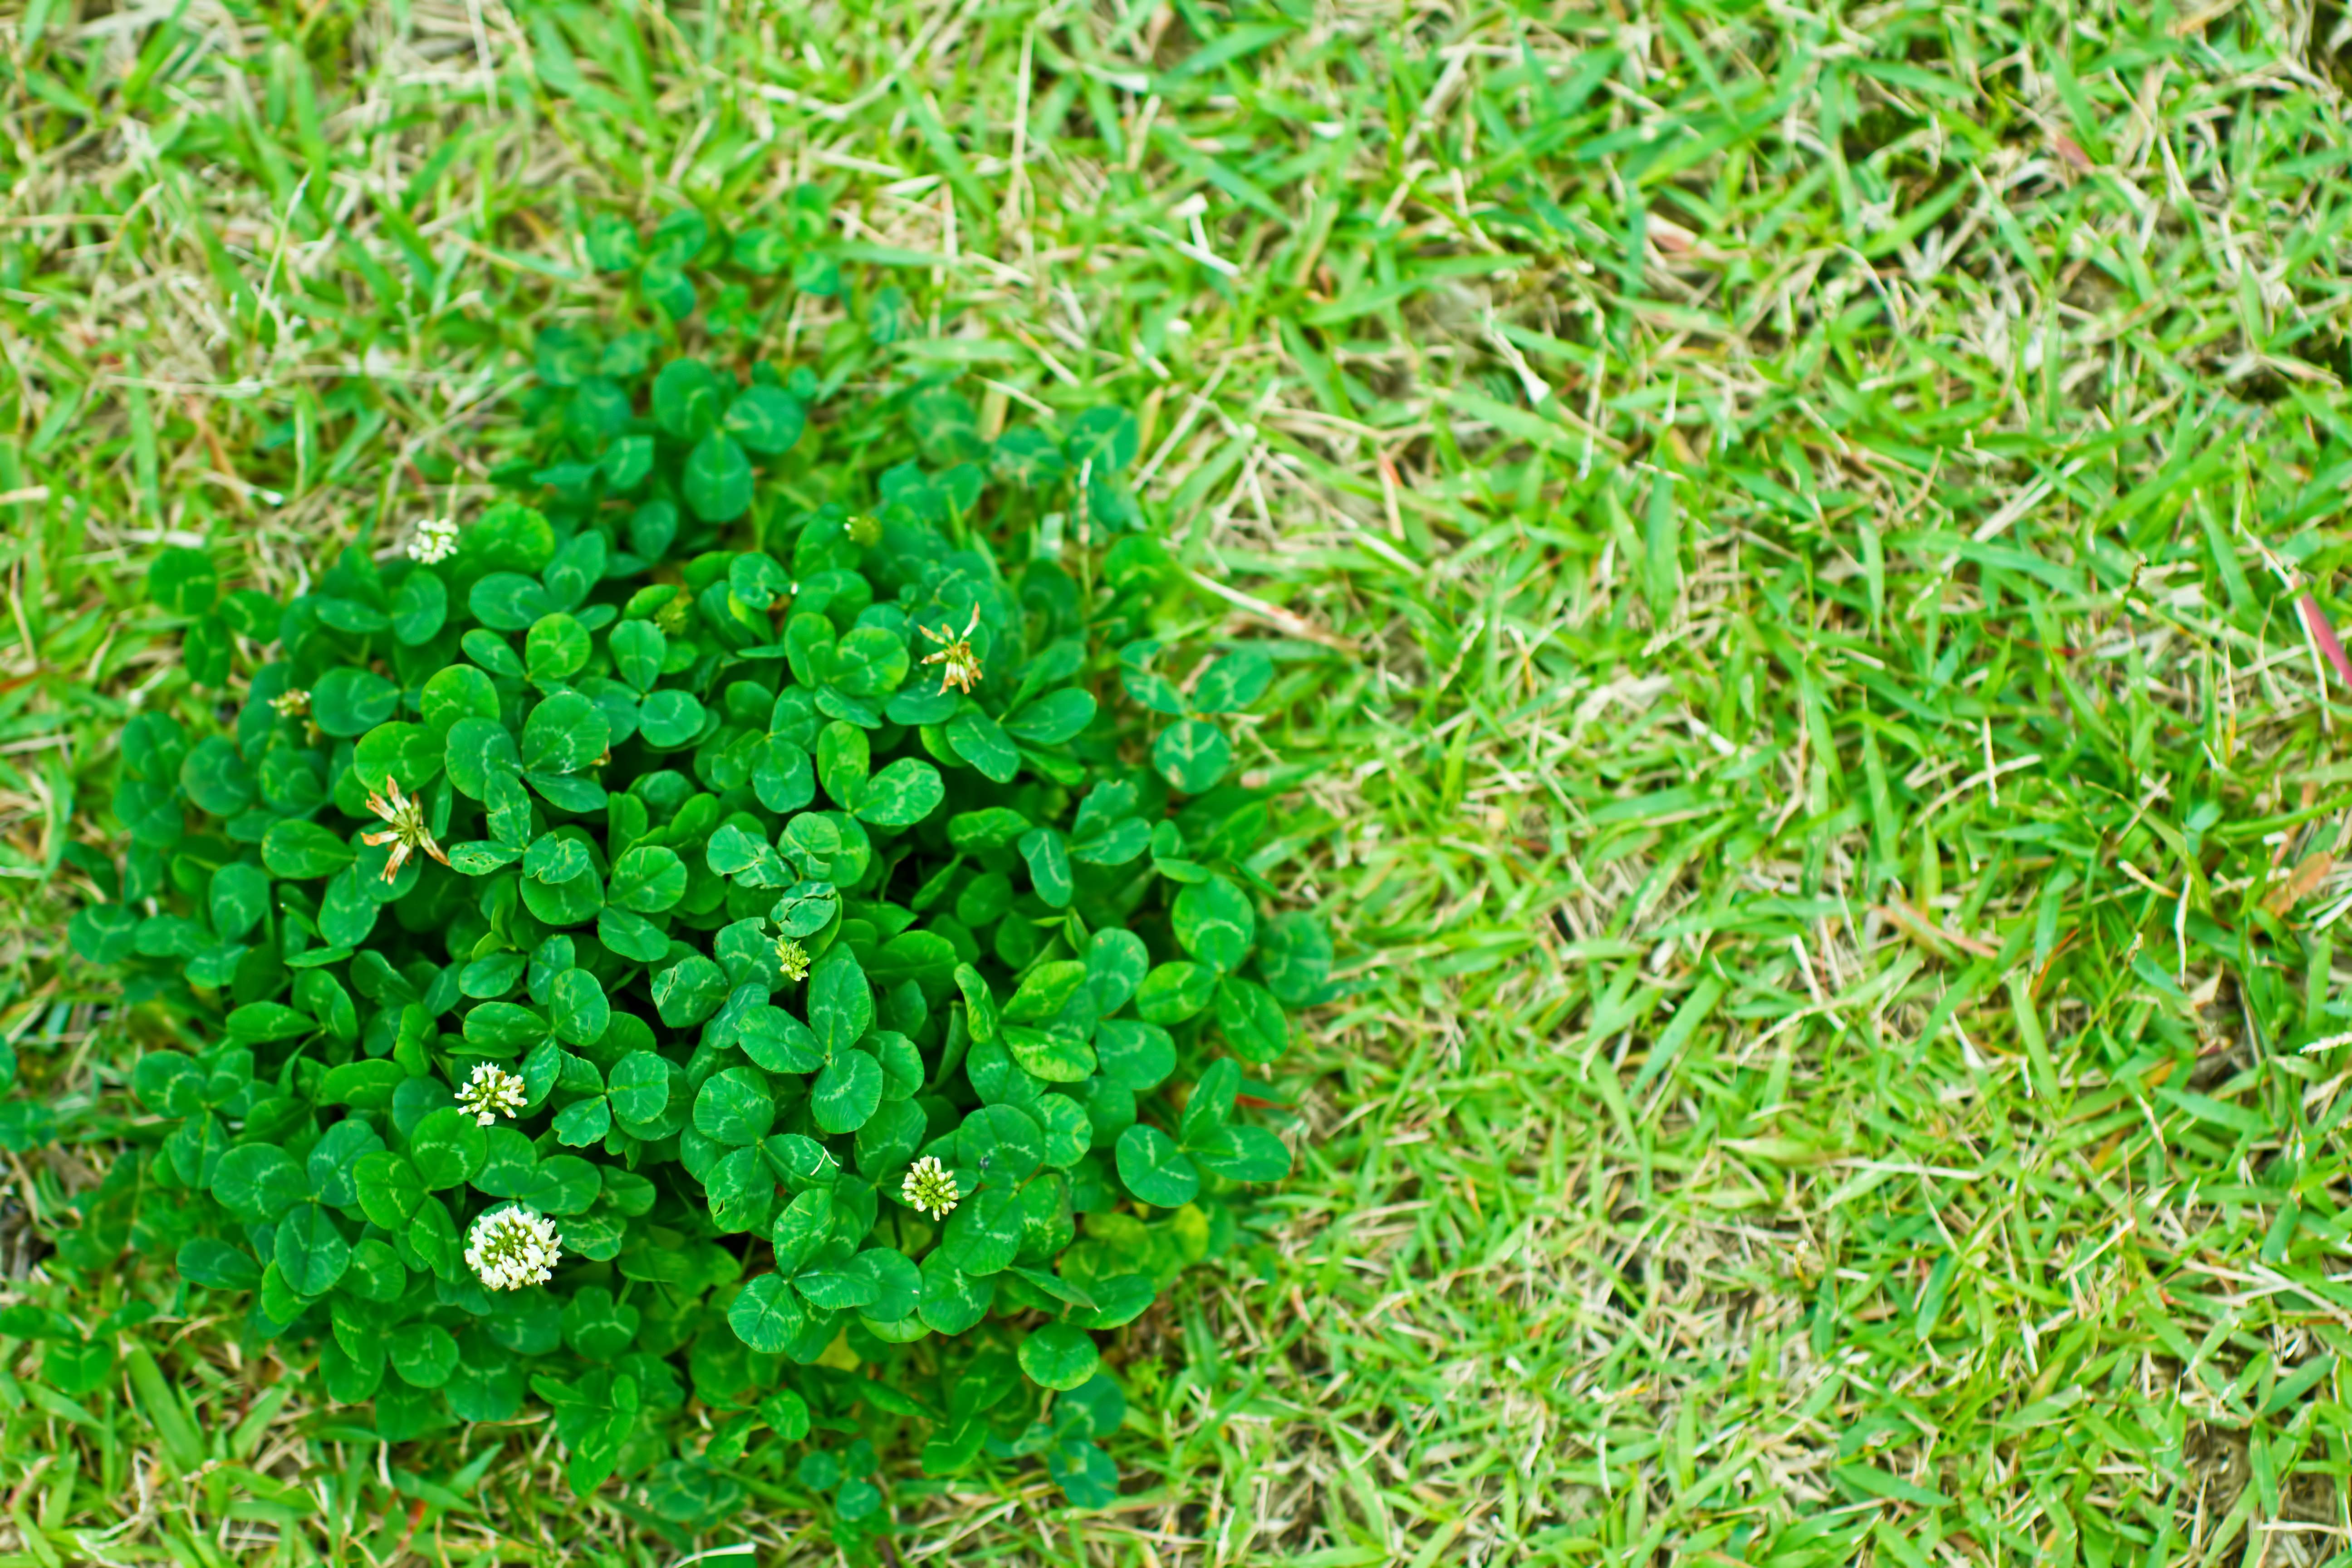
[493, 1093]
[513, 1247]
[434, 540]
[930, 1187]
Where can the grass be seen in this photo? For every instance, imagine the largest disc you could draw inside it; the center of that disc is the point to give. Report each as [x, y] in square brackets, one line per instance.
[1785, 529]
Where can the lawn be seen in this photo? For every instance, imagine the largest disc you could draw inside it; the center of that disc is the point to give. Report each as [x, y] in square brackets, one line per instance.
[1803, 547]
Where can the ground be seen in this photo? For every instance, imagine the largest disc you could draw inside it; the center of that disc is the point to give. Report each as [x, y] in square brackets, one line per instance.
[1805, 543]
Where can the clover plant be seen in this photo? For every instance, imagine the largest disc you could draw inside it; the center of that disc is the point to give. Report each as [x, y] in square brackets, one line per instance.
[747, 920]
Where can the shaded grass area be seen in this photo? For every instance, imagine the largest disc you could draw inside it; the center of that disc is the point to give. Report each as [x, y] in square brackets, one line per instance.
[1783, 531]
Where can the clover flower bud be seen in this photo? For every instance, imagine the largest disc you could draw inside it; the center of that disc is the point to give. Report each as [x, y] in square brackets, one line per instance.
[792, 958]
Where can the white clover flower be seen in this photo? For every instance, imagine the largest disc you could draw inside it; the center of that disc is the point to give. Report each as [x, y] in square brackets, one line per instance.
[434, 541]
[513, 1247]
[930, 1187]
[493, 1093]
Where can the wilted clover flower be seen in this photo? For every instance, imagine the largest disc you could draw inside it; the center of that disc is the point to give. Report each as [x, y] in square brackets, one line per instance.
[493, 1093]
[513, 1247]
[291, 704]
[434, 540]
[960, 666]
[408, 831]
[930, 1187]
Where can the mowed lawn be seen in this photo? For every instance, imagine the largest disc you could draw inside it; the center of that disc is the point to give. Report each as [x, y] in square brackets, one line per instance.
[1801, 545]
